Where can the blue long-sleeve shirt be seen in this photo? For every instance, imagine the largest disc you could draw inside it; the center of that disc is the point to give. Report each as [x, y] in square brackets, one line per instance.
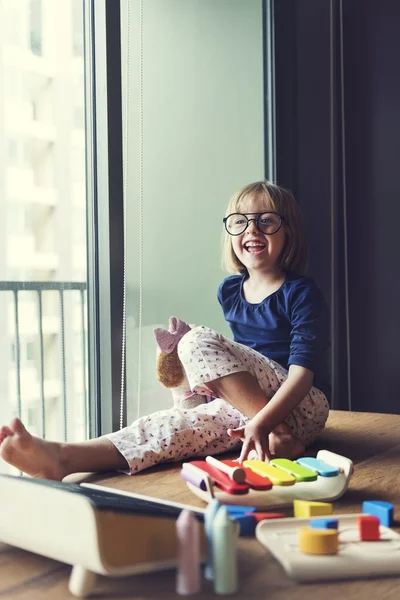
[291, 326]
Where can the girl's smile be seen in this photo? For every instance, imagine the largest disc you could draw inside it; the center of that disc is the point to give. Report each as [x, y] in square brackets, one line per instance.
[256, 250]
[254, 246]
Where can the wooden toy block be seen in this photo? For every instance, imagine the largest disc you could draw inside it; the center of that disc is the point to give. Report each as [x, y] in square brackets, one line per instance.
[247, 523]
[318, 541]
[304, 508]
[248, 520]
[382, 510]
[237, 509]
[368, 527]
[262, 516]
[324, 523]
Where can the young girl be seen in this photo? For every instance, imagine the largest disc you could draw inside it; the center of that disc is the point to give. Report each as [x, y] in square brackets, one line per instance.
[270, 384]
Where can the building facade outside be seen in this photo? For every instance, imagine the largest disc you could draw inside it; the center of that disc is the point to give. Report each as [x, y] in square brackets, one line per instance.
[43, 217]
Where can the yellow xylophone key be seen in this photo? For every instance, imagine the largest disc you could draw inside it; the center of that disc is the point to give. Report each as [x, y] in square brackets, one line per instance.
[277, 476]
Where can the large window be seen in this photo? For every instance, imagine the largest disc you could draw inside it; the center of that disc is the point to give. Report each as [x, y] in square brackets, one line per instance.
[194, 128]
[194, 100]
[43, 207]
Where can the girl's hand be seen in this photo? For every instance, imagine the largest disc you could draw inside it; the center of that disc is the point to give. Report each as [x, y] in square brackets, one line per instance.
[254, 437]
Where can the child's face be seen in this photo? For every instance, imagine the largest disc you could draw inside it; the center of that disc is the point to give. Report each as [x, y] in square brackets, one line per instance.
[256, 250]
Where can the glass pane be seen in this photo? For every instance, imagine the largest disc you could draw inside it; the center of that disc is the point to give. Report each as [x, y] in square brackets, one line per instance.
[43, 280]
[203, 138]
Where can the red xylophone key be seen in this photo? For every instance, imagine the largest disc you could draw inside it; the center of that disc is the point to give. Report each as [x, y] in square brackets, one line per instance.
[255, 481]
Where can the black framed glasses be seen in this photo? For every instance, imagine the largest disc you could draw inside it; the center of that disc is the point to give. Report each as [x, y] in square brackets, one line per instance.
[266, 222]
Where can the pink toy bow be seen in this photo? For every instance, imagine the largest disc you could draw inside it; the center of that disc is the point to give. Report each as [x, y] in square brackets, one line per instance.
[167, 339]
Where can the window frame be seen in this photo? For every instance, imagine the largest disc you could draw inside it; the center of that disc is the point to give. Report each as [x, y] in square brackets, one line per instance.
[268, 33]
[105, 206]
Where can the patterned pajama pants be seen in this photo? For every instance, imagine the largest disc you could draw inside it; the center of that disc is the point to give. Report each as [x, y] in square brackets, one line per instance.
[178, 434]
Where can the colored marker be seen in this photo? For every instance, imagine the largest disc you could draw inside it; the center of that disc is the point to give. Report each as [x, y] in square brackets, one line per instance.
[209, 515]
[188, 574]
[224, 553]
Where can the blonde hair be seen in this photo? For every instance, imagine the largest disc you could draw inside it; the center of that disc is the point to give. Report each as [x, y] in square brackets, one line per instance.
[294, 256]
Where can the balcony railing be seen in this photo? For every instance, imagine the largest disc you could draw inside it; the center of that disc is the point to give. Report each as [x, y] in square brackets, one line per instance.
[41, 288]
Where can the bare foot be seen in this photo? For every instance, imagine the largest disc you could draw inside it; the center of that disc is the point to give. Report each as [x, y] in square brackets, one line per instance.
[283, 444]
[30, 454]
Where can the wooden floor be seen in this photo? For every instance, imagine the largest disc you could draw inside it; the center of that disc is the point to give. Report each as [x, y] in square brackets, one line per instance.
[372, 441]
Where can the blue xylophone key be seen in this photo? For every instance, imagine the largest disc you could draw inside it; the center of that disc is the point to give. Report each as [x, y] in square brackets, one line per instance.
[314, 464]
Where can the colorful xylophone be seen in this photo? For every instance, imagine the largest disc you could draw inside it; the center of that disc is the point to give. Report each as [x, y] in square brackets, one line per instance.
[269, 485]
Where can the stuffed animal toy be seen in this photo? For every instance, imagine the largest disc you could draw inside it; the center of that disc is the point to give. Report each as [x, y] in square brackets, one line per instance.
[170, 371]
